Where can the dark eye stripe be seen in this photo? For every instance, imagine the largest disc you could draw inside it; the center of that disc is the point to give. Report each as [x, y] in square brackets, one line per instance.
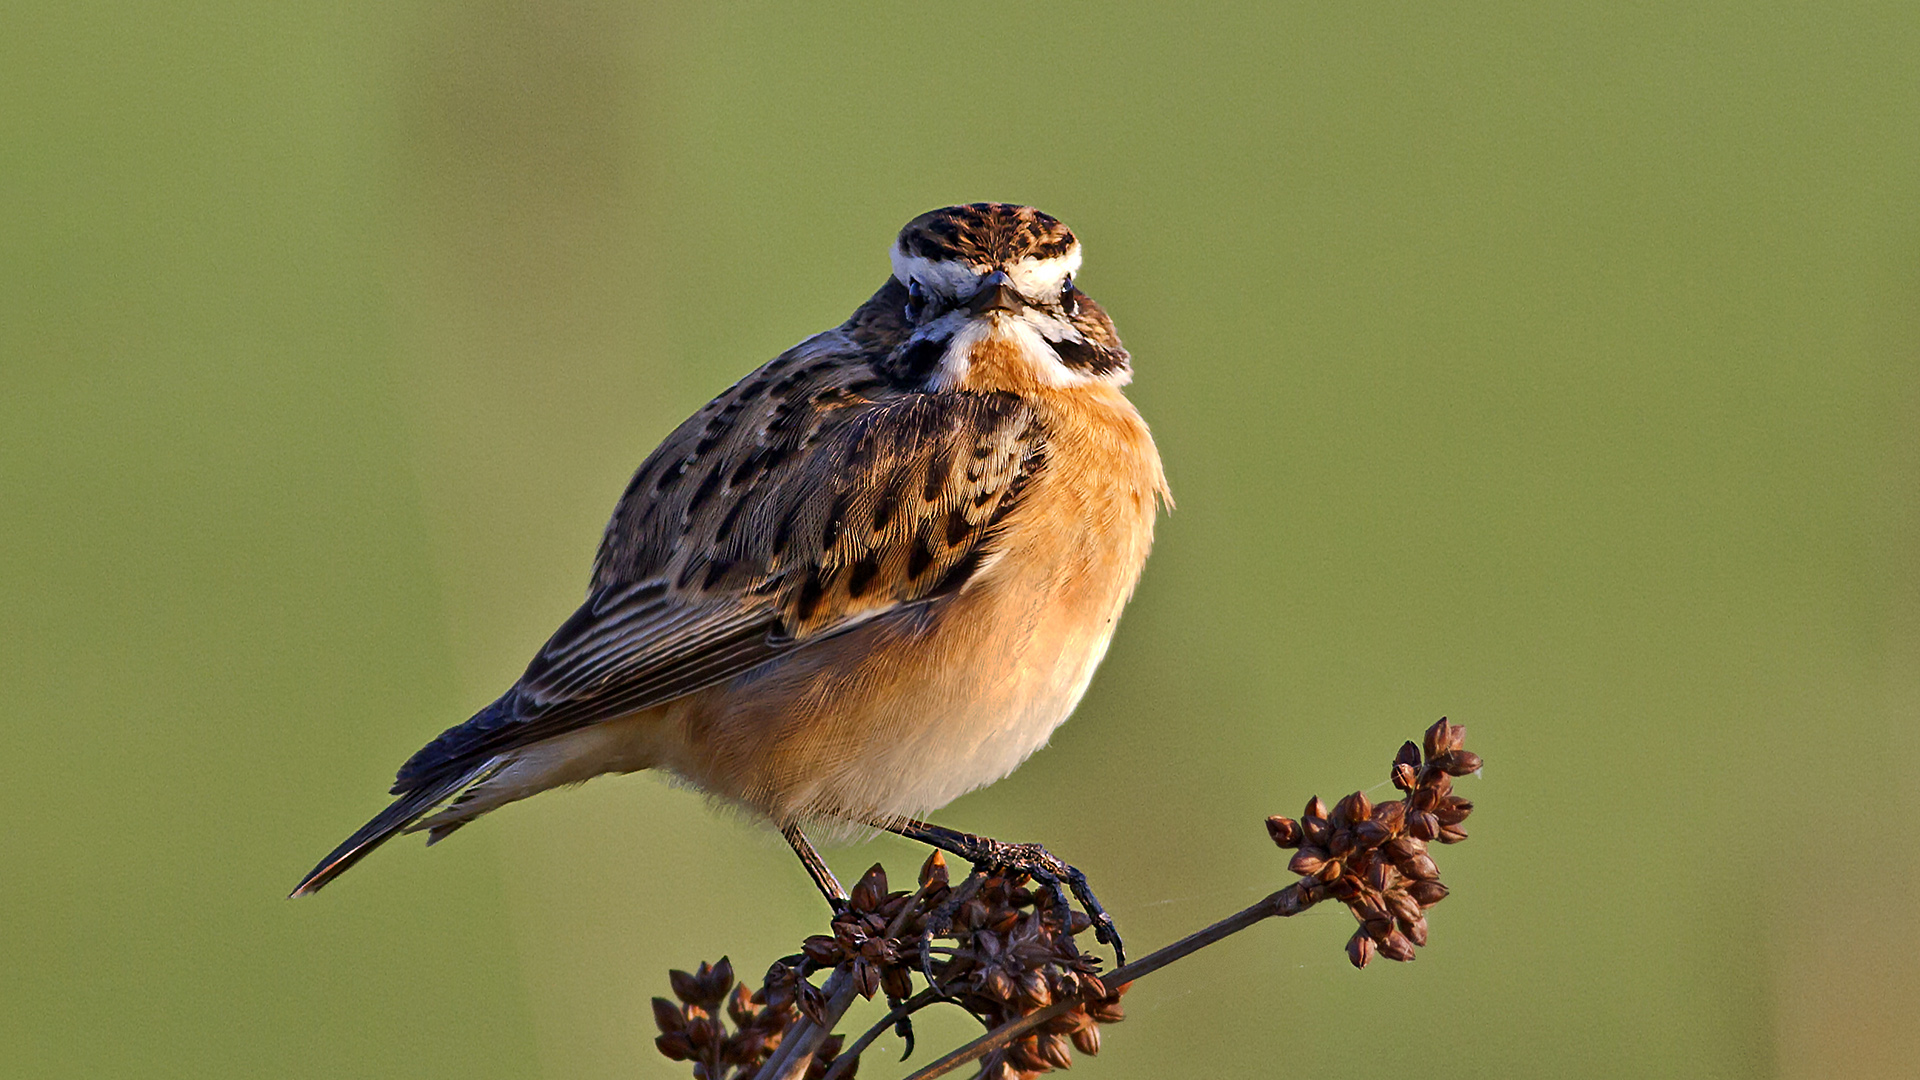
[1087, 357]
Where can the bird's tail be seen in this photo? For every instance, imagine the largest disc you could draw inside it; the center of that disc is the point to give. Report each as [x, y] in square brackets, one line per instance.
[403, 812]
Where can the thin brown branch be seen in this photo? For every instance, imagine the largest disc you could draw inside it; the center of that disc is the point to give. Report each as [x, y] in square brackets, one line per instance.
[849, 1057]
[1291, 900]
[796, 1050]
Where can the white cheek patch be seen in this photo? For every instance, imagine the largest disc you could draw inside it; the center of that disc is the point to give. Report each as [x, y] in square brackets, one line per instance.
[1039, 279]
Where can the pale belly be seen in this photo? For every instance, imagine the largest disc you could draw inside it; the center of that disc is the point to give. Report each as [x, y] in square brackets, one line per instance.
[900, 718]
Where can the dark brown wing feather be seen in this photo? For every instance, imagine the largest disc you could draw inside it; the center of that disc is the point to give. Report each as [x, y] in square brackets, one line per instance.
[809, 498]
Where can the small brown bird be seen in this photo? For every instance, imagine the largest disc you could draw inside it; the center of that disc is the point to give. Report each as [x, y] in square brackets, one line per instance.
[873, 575]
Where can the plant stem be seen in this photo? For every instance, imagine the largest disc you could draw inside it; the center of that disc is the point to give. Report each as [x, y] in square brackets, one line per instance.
[1291, 900]
[796, 1050]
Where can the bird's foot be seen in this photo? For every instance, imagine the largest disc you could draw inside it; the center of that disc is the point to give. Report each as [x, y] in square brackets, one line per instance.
[1054, 875]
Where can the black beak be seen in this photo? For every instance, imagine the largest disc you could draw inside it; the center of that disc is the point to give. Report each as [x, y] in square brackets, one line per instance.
[995, 293]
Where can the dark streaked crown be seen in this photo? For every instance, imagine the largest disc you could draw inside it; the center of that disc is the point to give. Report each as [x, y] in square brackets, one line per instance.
[986, 234]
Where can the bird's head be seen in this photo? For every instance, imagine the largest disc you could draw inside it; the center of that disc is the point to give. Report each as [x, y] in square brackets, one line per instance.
[1000, 276]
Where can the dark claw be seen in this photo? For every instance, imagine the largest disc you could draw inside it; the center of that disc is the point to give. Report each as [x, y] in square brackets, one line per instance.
[904, 1029]
[1030, 859]
[940, 920]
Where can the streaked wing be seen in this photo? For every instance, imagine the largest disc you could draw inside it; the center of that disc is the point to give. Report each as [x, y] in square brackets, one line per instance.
[800, 504]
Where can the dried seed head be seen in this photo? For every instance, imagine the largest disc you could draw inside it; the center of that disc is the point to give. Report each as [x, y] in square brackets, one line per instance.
[1415, 929]
[1395, 946]
[1420, 867]
[1086, 1039]
[934, 870]
[1452, 810]
[1409, 754]
[1374, 858]
[1391, 816]
[871, 891]
[1422, 825]
[1285, 832]
[1308, 861]
[1359, 948]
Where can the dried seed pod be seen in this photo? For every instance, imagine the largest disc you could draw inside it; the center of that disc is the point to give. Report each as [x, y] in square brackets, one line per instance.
[667, 1016]
[1371, 834]
[1419, 867]
[1285, 832]
[1307, 861]
[719, 979]
[822, 950]
[1415, 929]
[1391, 816]
[1086, 1039]
[1438, 739]
[1056, 1051]
[871, 891]
[686, 986]
[1359, 948]
[1452, 810]
[934, 870]
[1315, 809]
[897, 983]
[1342, 843]
[1315, 832]
[1422, 825]
[1034, 991]
[1395, 946]
[998, 984]
[1451, 834]
[1107, 1010]
[1402, 846]
[1024, 1053]
[1404, 907]
[1380, 875]
[1405, 776]
[1427, 893]
[1409, 754]
[674, 1045]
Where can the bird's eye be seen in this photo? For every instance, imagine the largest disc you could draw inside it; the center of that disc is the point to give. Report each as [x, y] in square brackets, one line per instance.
[916, 300]
[1068, 298]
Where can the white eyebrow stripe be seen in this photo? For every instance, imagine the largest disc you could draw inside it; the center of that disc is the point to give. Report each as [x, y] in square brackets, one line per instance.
[1037, 279]
[946, 277]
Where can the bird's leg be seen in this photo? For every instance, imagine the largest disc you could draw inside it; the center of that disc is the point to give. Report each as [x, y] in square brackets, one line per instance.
[817, 868]
[985, 853]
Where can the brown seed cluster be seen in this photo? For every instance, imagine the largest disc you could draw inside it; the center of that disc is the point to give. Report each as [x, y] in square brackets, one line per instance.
[693, 1030]
[1014, 956]
[1005, 953]
[876, 938]
[1374, 858]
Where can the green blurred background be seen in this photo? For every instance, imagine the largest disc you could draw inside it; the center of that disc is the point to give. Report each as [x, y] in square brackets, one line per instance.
[1547, 367]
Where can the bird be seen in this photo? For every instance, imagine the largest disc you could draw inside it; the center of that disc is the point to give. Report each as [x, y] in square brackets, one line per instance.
[874, 574]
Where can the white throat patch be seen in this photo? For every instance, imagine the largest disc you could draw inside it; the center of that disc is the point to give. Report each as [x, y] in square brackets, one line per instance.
[1026, 332]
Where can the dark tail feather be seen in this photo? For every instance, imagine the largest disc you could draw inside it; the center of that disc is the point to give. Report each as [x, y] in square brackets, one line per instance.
[404, 811]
